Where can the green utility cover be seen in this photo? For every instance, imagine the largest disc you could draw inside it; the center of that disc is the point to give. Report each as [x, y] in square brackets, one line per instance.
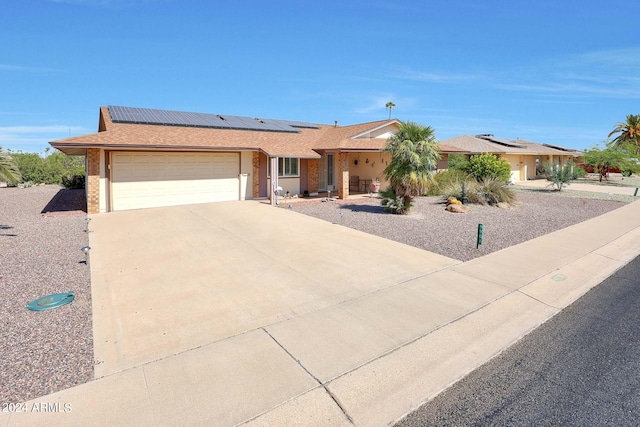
[50, 301]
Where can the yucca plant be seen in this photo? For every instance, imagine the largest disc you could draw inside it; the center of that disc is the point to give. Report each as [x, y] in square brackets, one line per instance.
[491, 191]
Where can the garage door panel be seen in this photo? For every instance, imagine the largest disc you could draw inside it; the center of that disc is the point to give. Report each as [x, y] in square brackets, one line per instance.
[143, 180]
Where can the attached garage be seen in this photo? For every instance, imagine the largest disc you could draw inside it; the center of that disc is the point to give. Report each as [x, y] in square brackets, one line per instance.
[154, 179]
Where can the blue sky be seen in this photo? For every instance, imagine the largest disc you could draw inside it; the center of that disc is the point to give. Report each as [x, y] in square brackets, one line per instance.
[552, 71]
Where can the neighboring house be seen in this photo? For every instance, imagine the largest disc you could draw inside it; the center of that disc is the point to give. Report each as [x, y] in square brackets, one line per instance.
[525, 157]
[142, 158]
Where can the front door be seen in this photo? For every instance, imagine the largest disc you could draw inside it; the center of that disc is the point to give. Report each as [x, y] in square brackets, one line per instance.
[326, 173]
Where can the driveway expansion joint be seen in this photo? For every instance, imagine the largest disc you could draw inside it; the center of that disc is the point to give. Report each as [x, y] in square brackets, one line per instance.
[320, 383]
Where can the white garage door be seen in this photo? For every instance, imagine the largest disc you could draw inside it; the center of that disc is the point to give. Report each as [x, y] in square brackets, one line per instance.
[145, 180]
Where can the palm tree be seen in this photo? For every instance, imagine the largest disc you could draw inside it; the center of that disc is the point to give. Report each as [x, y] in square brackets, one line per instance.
[629, 132]
[414, 154]
[9, 168]
[390, 106]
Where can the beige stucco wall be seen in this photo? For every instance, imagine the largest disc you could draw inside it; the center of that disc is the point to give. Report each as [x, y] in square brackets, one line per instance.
[372, 170]
[516, 163]
[246, 175]
[290, 184]
[530, 164]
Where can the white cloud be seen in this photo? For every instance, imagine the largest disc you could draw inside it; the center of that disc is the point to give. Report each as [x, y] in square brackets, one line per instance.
[608, 74]
[35, 138]
[407, 73]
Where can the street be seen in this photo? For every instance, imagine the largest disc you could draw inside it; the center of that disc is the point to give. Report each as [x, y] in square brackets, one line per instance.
[579, 368]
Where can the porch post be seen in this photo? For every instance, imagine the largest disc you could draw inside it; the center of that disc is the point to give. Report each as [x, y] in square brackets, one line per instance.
[273, 197]
[343, 175]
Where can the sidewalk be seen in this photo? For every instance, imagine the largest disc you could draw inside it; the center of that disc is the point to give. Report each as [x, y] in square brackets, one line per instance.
[367, 361]
[579, 186]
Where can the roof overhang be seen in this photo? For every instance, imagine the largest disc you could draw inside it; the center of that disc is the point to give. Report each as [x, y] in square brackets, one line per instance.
[383, 125]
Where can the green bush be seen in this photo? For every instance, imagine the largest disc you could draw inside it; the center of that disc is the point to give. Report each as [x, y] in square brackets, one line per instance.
[578, 172]
[457, 162]
[73, 181]
[50, 169]
[487, 165]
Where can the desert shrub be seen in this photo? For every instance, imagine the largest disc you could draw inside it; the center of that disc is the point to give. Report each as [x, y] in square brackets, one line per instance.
[487, 165]
[25, 184]
[442, 179]
[73, 181]
[560, 175]
[457, 162]
[578, 172]
[486, 192]
[50, 169]
[493, 191]
[454, 189]
[393, 203]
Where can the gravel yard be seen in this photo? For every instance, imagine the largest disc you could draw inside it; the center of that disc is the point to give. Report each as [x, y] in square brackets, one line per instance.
[43, 351]
[430, 227]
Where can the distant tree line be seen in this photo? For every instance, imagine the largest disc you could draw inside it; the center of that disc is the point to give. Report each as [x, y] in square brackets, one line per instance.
[25, 169]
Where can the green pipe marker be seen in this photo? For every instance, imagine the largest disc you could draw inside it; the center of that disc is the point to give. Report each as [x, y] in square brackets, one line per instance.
[635, 193]
[479, 242]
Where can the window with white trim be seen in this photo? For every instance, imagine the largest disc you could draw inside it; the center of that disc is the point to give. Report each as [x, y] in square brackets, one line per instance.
[287, 166]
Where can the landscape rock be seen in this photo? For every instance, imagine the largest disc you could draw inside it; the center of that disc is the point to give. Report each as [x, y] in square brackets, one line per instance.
[457, 208]
[453, 201]
[503, 205]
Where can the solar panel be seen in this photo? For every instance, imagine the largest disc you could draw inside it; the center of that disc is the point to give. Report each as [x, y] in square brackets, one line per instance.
[501, 141]
[557, 147]
[180, 118]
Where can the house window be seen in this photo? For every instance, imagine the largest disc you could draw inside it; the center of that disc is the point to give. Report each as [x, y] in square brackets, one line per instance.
[287, 166]
[330, 169]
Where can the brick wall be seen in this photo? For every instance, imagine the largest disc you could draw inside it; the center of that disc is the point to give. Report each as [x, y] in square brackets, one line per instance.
[256, 174]
[93, 181]
[313, 175]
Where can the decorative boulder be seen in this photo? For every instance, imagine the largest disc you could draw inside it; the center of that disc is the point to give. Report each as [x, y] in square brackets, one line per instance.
[503, 205]
[453, 201]
[457, 208]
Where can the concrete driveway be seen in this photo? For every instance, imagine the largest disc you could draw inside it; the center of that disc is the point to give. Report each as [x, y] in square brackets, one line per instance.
[244, 314]
[172, 279]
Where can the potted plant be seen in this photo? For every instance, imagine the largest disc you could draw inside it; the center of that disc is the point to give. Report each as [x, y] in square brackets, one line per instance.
[374, 187]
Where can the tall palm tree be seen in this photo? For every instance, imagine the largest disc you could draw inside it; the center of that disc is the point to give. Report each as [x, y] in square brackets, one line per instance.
[414, 154]
[390, 106]
[9, 168]
[629, 132]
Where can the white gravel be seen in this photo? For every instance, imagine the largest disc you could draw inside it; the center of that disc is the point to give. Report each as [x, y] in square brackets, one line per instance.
[430, 227]
[42, 351]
